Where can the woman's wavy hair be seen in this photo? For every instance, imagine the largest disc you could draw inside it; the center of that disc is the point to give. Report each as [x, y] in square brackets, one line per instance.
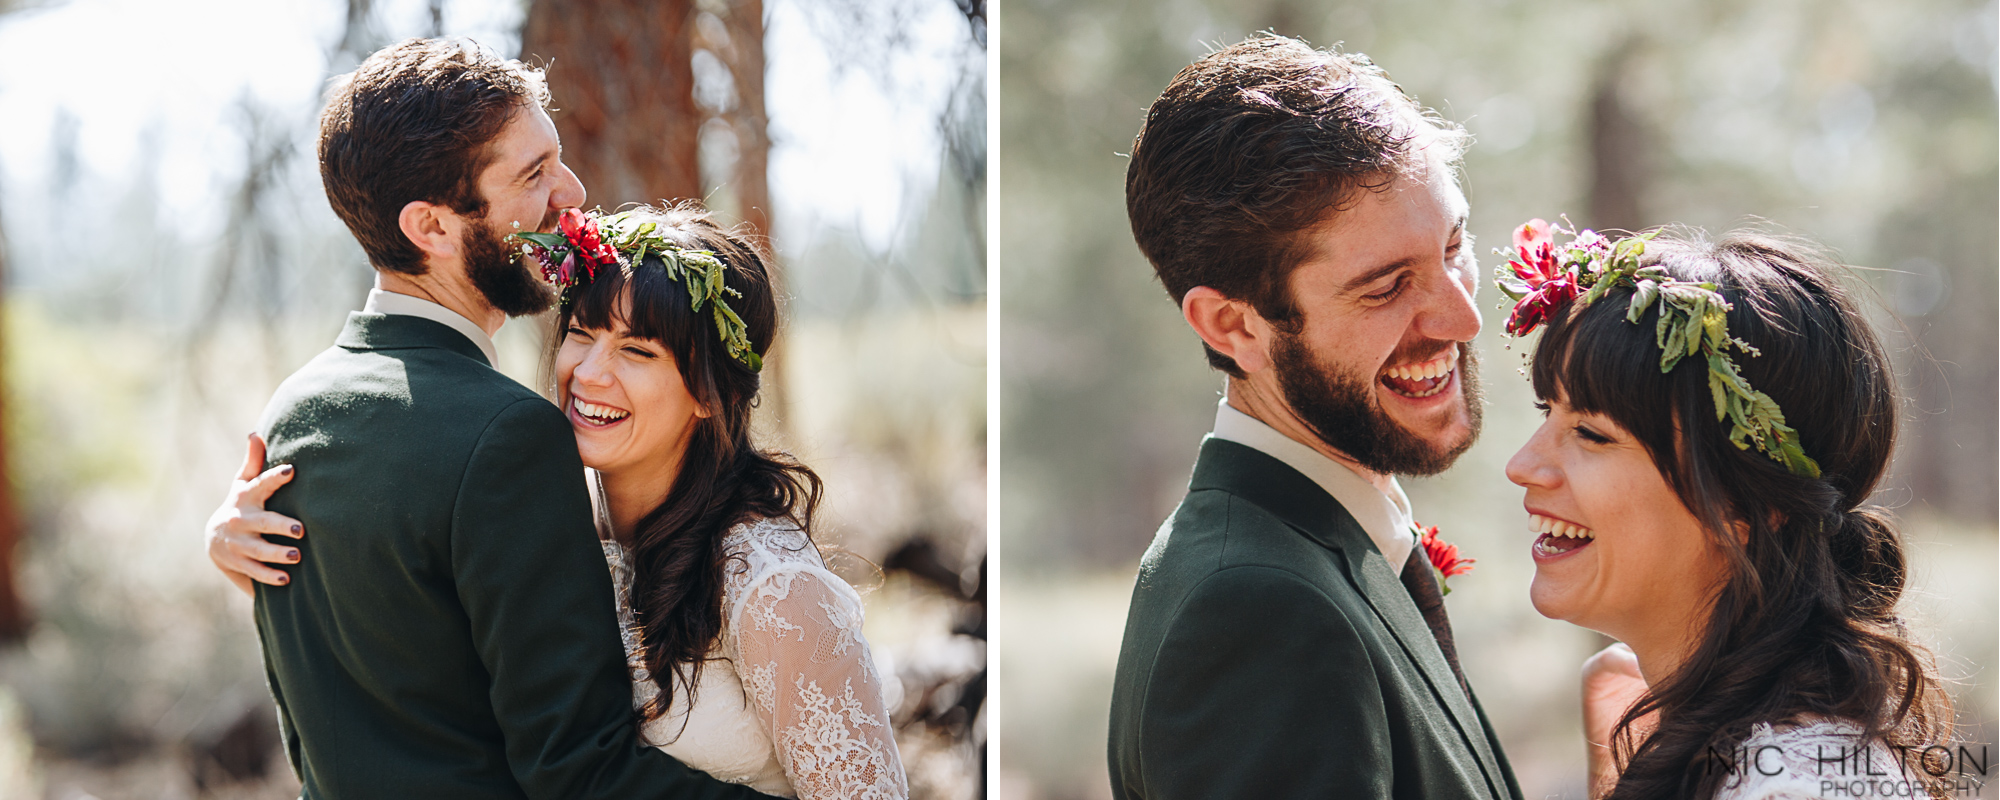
[725, 478]
[1805, 620]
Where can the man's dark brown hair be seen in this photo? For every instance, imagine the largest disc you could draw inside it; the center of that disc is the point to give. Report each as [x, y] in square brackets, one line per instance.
[415, 122]
[1252, 145]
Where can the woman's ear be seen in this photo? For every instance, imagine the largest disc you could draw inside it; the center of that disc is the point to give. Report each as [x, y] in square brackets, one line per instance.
[1773, 520]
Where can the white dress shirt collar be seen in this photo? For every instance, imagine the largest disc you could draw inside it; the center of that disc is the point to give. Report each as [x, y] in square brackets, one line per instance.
[1385, 517]
[386, 302]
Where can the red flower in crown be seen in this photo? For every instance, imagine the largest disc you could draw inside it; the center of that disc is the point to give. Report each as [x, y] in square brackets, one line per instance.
[581, 231]
[1443, 556]
[1535, 264]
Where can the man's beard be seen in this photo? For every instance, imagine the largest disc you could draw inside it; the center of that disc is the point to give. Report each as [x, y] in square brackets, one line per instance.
[498, 275]
[1339, 409]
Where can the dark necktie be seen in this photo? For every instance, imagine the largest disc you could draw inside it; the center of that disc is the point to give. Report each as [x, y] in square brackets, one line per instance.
[1421, 581]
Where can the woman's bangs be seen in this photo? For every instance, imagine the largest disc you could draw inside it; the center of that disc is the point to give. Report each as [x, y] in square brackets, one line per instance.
[659, 305]
[596, 305]
[1599, 363]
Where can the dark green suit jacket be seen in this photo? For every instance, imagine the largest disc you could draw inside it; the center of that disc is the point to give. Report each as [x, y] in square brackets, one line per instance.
[450, 631]
[1271, 652]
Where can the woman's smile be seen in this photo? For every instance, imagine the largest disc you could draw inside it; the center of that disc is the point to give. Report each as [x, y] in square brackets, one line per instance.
[1557, 537]
[586, 414]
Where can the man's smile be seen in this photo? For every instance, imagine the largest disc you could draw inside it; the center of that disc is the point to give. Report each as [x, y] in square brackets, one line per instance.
[1423, 379]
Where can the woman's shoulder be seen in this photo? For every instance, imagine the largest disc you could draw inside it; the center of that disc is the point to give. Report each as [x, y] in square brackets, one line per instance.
[1813, 757]
[769, 561]
[768, 541]
[768, 550]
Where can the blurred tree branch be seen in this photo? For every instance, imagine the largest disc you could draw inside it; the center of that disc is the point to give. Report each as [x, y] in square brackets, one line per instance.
[13, 610]
[14, 617]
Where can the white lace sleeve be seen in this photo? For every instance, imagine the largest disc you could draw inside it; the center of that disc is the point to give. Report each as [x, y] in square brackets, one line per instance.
[798, 645]
[1818, 760]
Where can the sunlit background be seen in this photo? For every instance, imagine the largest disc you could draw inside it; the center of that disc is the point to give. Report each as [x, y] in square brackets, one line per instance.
[169, 257]
[1867, 126]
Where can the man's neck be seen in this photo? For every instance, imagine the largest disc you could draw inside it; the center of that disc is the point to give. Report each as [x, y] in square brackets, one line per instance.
[459, 296]
[1269, 407]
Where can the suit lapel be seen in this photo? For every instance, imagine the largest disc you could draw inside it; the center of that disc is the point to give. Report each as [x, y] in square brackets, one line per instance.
[1384, 591]
[1276, 487]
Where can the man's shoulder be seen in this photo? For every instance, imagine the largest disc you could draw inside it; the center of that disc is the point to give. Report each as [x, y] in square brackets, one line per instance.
[1215, 530]
[426, 401]
[1220, 551]
[424, 381]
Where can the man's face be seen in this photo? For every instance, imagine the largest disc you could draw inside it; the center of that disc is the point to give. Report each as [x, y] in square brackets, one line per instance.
[1377, 365]
[526, 186]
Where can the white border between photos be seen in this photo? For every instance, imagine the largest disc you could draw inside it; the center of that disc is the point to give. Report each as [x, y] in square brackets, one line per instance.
[993, 568]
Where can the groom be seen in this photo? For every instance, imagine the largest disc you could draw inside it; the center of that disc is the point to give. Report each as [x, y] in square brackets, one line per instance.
[448, 631]
[1287, 636]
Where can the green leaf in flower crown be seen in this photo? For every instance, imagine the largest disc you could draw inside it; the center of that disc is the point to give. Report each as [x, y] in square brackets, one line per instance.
[1719, 392]
[1596, 291]
[1643, 296]
[1795, 458]
[548, 240]
[1666, 335]
[1712, 323]
[1630, 247]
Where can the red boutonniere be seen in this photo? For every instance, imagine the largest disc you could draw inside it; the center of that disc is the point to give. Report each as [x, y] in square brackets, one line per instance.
[1443, 556]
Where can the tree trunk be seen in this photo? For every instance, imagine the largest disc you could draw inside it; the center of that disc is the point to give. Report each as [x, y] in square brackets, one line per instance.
[745, 57]
[623, 83]
[1620, 150]
[753, 138]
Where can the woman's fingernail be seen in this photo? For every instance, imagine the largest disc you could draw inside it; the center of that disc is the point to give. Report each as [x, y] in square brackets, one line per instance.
[292, 555]
[283, 578]
[286, 471]
[297, 531]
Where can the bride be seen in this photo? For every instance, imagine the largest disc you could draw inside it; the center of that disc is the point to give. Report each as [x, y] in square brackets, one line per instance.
[1717, 417]
[746, 653]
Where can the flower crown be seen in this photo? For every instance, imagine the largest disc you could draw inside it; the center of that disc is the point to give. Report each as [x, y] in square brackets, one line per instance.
[570, 260]
[1693, 319]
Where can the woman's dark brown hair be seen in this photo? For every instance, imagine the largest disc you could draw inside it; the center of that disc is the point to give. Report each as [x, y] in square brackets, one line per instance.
[1805, 621]
[724, 479]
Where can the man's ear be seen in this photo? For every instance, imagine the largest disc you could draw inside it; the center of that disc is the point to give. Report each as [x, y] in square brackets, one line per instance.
[1232, 327]
[431, 227]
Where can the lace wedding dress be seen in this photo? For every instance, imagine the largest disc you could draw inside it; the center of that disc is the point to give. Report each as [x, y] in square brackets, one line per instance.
[1819, 759]
[791, 705]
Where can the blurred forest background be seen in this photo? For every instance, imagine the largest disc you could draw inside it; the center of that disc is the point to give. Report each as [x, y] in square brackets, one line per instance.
[1867, 126]
[169, 256]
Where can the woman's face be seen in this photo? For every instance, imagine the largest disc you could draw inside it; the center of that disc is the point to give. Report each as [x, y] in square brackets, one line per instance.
[1615, 550]
[624, 398]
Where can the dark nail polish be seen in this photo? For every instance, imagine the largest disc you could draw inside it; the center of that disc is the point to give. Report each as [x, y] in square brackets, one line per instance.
[284, 579]
[287, 470]
[297, 531]
[292, 555]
